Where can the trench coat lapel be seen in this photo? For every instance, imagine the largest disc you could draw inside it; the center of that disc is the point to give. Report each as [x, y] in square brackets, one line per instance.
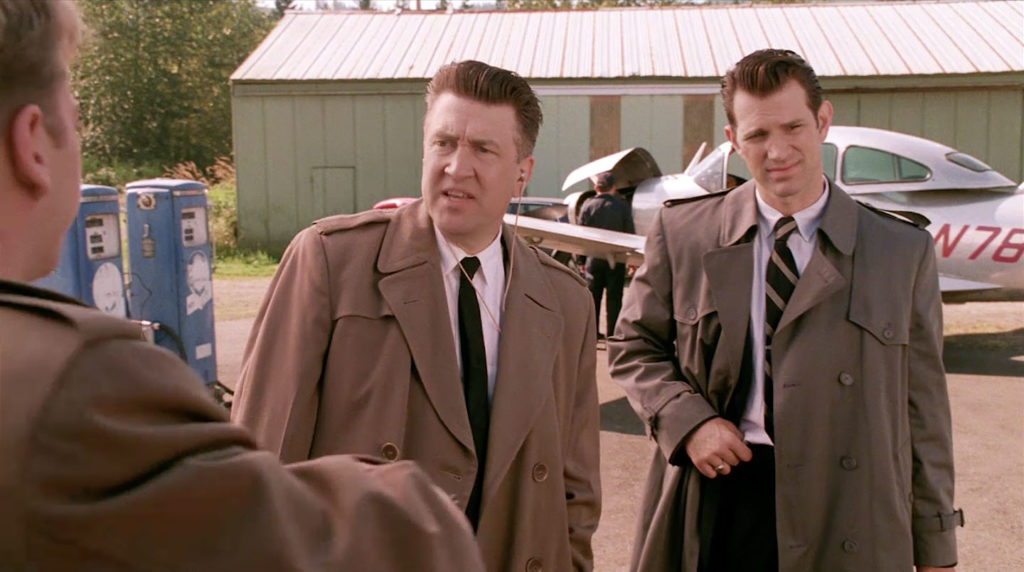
[729, 269]
[531, 327]
[414, 289]
[837, 235]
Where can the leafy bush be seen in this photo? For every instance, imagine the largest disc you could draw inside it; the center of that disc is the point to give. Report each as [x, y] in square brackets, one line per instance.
[230, 260]
[223, 217]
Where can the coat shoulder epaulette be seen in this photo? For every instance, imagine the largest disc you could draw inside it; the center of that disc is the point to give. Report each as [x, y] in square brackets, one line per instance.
[547, 260]
[907, 217]
[335, 223]
[685, 200]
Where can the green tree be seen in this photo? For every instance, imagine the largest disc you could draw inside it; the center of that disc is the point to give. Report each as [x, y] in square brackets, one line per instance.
[152, 81]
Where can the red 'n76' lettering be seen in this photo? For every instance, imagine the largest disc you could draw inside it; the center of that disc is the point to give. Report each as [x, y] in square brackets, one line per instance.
[1008, 251]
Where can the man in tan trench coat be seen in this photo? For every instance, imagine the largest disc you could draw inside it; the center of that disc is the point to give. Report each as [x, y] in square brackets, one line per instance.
[112, 455]
[817, 441]
[357, 347]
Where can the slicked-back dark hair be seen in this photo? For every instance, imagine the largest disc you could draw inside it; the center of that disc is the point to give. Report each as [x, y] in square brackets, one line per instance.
[494, 86]
[35, 39]
[763, 72]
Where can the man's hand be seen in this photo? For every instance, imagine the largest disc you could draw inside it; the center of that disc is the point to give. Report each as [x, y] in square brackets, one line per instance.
[716, 444]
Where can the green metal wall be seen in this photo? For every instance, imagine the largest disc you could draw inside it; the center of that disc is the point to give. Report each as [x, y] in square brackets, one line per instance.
[302, 157]
[562, 143]
[655, 122]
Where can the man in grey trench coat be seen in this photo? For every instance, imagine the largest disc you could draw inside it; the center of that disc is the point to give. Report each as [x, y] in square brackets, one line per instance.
[818, 440]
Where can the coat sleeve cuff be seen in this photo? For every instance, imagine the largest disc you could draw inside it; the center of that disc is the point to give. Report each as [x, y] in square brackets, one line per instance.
[935, 538]
[677, 419]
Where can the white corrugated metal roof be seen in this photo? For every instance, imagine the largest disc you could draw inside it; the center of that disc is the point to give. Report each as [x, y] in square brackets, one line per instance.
[920, 38]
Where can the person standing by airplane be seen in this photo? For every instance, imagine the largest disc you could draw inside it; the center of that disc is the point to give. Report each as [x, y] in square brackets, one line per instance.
[606, 210]
[783, 345]
[431, 333]
[114, 457]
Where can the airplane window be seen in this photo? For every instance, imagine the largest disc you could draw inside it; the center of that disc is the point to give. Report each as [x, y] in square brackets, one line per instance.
[912, 170]
[965, 160]
[828, 160]
[866, 165]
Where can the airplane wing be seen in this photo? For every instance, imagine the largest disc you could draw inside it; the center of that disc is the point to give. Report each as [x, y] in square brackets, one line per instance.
[948, 284]
[629, 248]
[585, 240]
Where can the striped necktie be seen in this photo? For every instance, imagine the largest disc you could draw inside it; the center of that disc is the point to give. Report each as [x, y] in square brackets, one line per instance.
[780, 281]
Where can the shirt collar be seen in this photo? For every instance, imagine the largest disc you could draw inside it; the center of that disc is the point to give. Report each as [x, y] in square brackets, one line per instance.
[491, 258]
[807, 220]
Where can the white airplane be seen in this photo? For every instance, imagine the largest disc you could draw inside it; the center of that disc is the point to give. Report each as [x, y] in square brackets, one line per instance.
[975, 215]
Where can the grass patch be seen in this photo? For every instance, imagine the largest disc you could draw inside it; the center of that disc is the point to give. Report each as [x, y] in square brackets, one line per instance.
[240, 263]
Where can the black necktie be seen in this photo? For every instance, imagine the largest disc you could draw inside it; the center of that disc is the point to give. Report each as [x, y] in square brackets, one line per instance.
[779, 283]
[474, 377]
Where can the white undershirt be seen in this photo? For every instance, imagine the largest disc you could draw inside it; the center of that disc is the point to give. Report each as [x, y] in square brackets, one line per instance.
[489, 283]
[802, 244]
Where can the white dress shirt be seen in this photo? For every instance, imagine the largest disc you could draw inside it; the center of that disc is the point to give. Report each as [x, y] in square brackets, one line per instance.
[802, 244]
[489, 283]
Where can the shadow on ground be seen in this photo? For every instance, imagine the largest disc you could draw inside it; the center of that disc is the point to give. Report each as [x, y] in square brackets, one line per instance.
[618, 417]
[986, 353]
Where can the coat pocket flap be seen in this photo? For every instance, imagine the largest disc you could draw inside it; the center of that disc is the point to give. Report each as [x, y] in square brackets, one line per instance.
[884, 320]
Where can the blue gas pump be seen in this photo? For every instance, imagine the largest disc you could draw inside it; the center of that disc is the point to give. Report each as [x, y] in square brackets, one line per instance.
[170, 263]
[90, 267]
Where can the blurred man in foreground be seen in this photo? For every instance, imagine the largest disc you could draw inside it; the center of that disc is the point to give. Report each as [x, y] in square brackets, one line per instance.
[111, 454]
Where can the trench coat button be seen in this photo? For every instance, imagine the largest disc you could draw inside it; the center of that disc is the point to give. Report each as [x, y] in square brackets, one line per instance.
[850, 546]
[389, 451]
[540, 472]
[848, 463]
[691, 313]
[534, 565]
[845, 379]
[887, 333]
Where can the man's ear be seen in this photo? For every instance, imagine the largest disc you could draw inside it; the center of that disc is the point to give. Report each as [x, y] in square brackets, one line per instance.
[27, 138]
[526, 171]
[824, 119]
[731, 136]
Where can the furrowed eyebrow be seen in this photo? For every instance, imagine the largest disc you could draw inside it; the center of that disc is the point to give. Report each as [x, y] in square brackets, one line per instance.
[446, 135]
